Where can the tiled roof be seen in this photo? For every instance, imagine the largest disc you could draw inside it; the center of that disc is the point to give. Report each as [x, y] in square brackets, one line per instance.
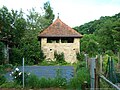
[59, 29]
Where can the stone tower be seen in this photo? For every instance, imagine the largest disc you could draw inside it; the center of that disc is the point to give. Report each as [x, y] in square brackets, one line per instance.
[61, 38]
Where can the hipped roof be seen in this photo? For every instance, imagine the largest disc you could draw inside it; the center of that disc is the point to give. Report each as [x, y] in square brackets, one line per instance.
[59, 29]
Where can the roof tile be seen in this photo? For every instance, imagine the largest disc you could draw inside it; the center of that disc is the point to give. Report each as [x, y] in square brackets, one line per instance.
[59, 29]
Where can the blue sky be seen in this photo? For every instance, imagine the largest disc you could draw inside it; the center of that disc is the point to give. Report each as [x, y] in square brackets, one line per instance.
[72, 12]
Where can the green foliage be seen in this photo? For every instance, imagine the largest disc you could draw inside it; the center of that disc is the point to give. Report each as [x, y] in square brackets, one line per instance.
[16, 56]
[1, 53]
[10, 85]
[89, 44]
[59, 57]
[21, 34]
[106, 32]
[109, 52]
[48, 12]
[42, 56]
[12, 24]
[12, 27]
[59, 81]
[80, 56]
[2, 79]
[35, 82]
[118, 77]
[32, 81]
[18, 75]
[81, 75]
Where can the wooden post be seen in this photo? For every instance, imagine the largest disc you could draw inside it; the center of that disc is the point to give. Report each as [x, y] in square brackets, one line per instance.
[97, 72]
[101, 60]
[86, 60]
[6, 53]
[92, 73]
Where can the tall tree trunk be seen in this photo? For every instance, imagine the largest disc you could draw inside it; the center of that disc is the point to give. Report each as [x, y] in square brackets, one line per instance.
[6, 53]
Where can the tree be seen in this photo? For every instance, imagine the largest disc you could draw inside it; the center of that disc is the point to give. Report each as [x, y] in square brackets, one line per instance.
[12, 27]
[116, 34]
[107, 32]
[105, 38]
[29, 44]
[89, 44]
[11, 23]
[48, 12]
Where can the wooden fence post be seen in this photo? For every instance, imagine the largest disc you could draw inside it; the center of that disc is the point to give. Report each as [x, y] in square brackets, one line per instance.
[101, 60]
[97, 73]
[86, 60]
[92, 73]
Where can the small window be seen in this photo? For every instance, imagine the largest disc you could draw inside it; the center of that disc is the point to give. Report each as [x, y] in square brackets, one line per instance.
[67, 40]
[53, 40]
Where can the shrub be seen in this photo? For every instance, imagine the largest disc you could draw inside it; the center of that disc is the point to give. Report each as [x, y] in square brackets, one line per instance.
[15, 56]
[81, 75]
[59, 80]
[32, 81]
[2, 79]
[45, 82]
[42, 56]
[80, 56]
[18, 76]
[59, 57]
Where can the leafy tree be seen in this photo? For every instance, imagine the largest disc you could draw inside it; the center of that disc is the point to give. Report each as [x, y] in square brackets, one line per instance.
[89, 44]
[12, 24]
[12, 27]
[48, 12]
[29, 43]
[105, 38]
[106, 31]
[116, 34]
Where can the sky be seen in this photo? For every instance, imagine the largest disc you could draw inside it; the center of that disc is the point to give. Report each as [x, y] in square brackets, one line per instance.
[72, 12]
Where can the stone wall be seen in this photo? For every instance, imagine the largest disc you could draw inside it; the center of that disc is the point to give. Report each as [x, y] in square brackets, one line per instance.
[69, 49]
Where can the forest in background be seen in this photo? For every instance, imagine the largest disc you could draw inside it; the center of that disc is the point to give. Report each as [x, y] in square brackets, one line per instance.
[20, 33]
[101, 36]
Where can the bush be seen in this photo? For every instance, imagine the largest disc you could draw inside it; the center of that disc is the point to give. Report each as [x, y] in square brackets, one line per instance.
[32, 81]
[59, 81]
[80, 56]
[59, 57]
[42, 56]
[18, 76]
[81, 75]
[45, 83]
[2, 79]
[16, 56]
